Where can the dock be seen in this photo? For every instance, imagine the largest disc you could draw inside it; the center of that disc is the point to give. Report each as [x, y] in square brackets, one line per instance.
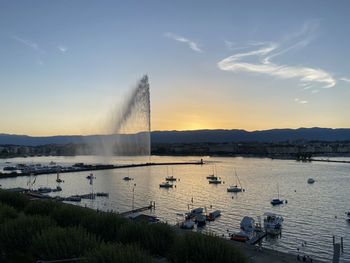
[328, 161]
[151, 206]
[81, 167]
[259, 235]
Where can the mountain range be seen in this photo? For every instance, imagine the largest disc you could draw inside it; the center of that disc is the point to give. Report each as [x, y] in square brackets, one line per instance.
[197, 136]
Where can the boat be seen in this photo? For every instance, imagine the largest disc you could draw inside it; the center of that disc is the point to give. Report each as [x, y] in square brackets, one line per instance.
[58, 179]
[200, 220]
[247, 229]
[273, 223]
[310, 181]
[215, 181]
[90, 176]
[166, 185]
[127, 178]
[213, 215]
[235, 188]
[212, 177]
[187, 224]
[194, 212]
[348, 215]
[170, 178]
[277, 201]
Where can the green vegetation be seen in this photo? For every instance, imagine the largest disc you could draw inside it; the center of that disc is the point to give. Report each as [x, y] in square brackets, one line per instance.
[48, 230]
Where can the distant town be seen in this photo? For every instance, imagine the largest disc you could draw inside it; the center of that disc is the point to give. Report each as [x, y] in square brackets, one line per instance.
[259, 149]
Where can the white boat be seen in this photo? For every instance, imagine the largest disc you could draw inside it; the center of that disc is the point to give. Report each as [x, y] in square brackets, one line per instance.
[235, 188]
[310, 181]
[166, 185]
[187, 224]
[273, 223]
[247, 230]
[212, 176]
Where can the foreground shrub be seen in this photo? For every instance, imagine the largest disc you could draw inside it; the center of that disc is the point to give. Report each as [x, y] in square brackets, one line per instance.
[193, 247]
[7, 212]
[105, 225]
[157, 238]
[41, 207]
[69, 215]
[63, 243]
[18, 234]
[111, 253]
[16, 200]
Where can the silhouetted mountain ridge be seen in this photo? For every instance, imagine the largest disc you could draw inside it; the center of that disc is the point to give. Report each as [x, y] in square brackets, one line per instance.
[197, 136]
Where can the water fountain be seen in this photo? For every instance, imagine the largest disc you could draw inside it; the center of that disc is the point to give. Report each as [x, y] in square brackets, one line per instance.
[129, 133]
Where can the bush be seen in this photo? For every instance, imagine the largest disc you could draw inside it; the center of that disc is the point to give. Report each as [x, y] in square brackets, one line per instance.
[17, 234]
[16, 200]
[69, 215]
[156, 238]
[7, 212]
[41, 207]
[63, 243]
[193, 247]
[105, 225]
[110, 253]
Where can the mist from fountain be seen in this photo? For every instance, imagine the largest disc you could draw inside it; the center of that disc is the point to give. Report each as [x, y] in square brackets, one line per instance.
[128, 129]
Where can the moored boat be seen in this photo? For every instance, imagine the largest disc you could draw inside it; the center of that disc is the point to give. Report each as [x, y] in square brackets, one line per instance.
[166, 185]
[310, 181]
[200, 220]
[127, 178]
[273, 223]
[215, 181]
[213, 215]
[187, 224]
[170, 178]
[247, 227]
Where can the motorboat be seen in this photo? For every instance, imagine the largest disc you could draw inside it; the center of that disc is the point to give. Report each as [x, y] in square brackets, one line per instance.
[194, 212]
[170, 178]
[213, 215]
[247, 229]
[273, 223]
[187, 224]
[127, 178]
[215, 181]
[310, 181]
[166, 185]
[200, 220]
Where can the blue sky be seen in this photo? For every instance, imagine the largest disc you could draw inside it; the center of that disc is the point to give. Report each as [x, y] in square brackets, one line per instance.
[212, 64]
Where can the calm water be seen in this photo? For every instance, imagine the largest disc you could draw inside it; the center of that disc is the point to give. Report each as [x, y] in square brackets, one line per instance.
[314, 213]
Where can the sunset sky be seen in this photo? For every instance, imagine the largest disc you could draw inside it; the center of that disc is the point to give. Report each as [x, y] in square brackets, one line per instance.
[65, 65]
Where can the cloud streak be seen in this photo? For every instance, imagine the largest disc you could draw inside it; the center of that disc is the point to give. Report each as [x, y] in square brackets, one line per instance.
[259, 61]
[345, 79]
[63, 49]
[28, 43]
[192, 45]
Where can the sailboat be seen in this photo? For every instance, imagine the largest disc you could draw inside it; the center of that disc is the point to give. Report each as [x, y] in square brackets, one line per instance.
[212, 176]
[277, 201]
[58, 179]
[235, 188]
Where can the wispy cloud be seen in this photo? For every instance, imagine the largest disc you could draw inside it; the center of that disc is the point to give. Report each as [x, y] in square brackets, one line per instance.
[28, 43]
[265, 51]
[297, 100]
[62, 48]
[345, 79]
[192, 45]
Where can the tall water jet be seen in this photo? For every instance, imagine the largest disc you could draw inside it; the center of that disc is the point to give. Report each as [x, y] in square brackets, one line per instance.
[129, 128]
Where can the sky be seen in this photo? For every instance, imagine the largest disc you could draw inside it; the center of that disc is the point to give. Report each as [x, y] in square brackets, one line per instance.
[253, 65]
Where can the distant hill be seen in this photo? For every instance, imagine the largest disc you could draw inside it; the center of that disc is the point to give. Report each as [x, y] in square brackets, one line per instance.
[217, 136]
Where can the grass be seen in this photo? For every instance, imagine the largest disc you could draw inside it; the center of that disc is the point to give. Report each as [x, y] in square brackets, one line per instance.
[48, 230]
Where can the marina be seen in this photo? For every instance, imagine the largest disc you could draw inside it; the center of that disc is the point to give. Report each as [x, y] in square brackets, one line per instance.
[259, 177]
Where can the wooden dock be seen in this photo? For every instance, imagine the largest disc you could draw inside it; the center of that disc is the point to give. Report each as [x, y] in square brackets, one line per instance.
[151, 206]
[259, 235]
